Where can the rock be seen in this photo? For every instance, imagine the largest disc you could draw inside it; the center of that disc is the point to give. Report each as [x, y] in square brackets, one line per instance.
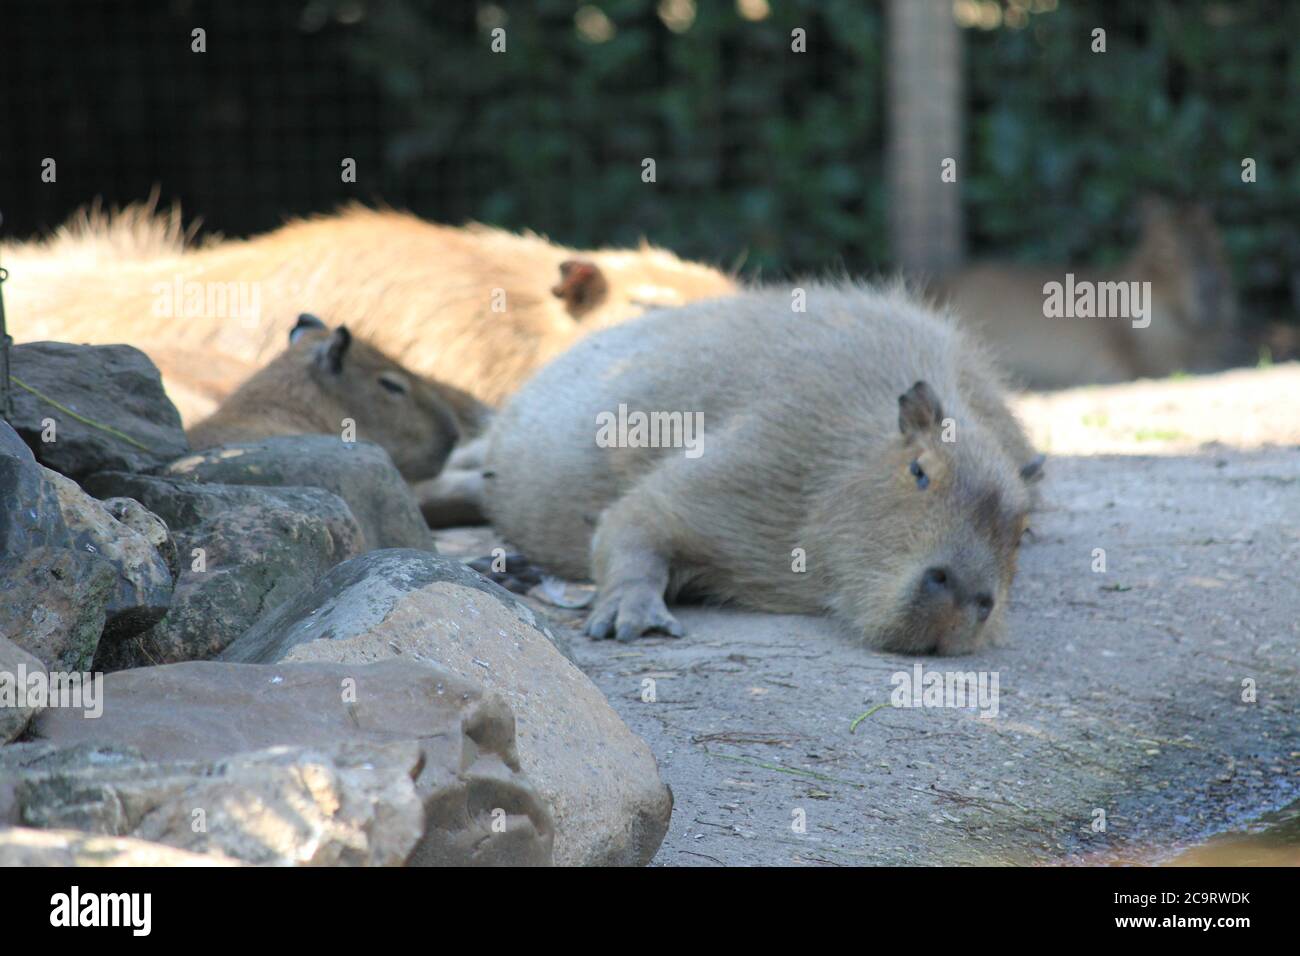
[23, 846]
[600, 780]
[149, 526]
[115, 386]
[467, 776]
[357, 594]
[361, 473]
[143, 589]
[244, 550]
[16, 709]
[53, 598]
[353, 804]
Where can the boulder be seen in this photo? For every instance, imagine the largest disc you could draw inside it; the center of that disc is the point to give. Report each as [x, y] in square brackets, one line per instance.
[16, 708]
[351, 805]
[149, 526]
[116, 387]
[361, 473]
[54, 596]
[24, 846]
[456, 744]
[143, 590]
[600, 779]
[244, 550]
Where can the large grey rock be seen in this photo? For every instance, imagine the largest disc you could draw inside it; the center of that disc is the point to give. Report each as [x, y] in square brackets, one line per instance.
[361, 473]
[24, 847]
[350, 804]
[115, 386]
[59, 587]
[17, 707]
[478, 807]
[244, 550]
[600, 779]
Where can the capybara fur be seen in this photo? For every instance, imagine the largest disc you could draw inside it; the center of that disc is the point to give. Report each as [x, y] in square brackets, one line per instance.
[1193, 314]
[326, 377]
[855, 459]
[473, 307]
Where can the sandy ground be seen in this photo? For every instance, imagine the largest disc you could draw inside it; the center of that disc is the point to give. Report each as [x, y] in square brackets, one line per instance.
[1120, 693]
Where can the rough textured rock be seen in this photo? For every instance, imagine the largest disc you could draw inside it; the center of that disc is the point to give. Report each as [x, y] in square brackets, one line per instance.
[16, 710]
[467, 775]
[114, 385]
[256, 548]
[600, 779]
[352, 805]
[24, 846]
[360, 473]
[357, 595]
[149, 526]
[143, 590]
[53, 597]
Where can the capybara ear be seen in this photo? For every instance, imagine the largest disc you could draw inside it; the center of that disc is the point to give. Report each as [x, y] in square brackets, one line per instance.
[332, 356]
[306, 322]
[918, 410]
[582, 286]
[1032, 471]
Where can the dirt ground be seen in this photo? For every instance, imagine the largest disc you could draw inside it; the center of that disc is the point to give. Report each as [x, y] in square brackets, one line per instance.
[1140, 708]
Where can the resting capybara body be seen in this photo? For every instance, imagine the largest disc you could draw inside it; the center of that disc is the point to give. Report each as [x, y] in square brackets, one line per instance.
[1192, 312]
[855, 460]
[326, 378]
[473, 307]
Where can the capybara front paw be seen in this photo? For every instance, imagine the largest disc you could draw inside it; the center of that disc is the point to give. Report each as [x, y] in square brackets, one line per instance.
[514, 572]
[630, 612]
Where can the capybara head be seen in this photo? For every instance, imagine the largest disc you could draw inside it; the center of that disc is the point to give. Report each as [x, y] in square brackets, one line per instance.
[394, 408]
[326, 377]
[605, 287]
[938, 518]
[1181, 253]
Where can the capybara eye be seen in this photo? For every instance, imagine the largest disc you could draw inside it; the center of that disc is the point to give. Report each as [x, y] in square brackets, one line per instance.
[393, 384]
[922, 479]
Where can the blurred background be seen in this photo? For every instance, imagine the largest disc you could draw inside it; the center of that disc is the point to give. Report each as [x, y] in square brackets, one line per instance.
[780, 164]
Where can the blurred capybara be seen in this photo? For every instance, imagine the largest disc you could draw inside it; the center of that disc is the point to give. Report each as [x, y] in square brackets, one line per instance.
[473, 307]
[1192, 312]
[856, 460]
[326, 376]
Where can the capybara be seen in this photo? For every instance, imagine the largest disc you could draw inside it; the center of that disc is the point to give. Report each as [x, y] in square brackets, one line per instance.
[328, 376]
[1192, 309]
[854, 459]
[472, 307]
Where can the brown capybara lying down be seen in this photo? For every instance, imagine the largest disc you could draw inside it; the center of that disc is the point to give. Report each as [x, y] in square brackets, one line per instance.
[1190, 322]
[327, 378]
[476, 308]
[855, 460]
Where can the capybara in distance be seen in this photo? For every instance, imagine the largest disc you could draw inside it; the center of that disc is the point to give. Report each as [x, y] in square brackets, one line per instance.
[855, 459]
[473, 307]
[326, 376]
[1192, 311]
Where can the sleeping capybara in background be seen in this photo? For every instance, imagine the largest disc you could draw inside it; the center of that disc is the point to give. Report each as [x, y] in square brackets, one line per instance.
[326, 376]
[1192, 312]
[476, 308]
[865, 441]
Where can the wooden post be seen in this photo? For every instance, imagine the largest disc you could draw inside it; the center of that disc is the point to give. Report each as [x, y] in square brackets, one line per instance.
[924, 89]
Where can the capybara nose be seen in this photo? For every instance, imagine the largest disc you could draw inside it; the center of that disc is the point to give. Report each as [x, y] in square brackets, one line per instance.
[983, 605]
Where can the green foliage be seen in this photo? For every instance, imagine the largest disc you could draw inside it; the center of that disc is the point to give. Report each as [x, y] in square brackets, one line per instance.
[776, 158]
